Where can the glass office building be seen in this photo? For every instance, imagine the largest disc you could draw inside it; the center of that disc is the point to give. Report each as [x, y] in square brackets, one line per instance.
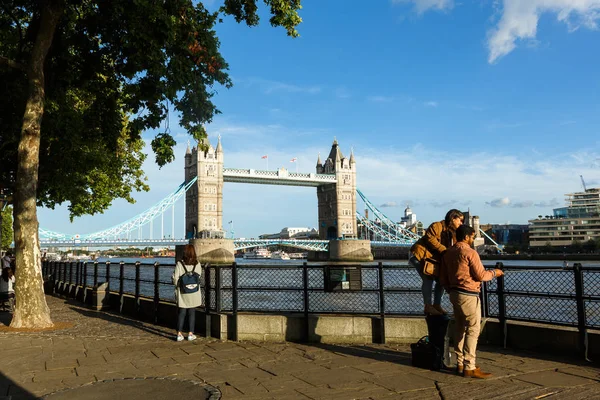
[578, 221]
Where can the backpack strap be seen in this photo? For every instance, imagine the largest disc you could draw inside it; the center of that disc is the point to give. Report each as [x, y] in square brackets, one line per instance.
[194, 269]
[183, 265]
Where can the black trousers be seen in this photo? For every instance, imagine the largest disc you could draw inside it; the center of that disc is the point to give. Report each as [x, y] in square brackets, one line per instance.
[191, 313]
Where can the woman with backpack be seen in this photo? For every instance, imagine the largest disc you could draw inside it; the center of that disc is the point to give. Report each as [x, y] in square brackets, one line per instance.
[187, 278]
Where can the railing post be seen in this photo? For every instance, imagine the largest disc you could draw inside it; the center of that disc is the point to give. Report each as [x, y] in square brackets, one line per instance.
[207, 287]
[306, 302]
[218, 287]
[156, 290]
[78, 273]
[121, 279]
[85, 275]
[234, 299]
[95, 274]
[581, 318]
[381, 304]
[502, 305]
[64, 274]
[71, 272]
[137, 286]
[107, 277]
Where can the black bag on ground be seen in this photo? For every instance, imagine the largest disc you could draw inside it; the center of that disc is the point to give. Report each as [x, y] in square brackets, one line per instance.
[437, 327]
[189, 282]
[424, 353]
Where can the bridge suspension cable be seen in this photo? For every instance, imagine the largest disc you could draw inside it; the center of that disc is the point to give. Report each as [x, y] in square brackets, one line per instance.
[398, 232]
[133, 223]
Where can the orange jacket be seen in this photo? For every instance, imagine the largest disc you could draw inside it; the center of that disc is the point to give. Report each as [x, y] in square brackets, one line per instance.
[434, 242]
[462, 269]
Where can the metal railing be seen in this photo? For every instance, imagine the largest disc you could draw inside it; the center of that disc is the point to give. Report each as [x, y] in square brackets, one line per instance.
[546, 295]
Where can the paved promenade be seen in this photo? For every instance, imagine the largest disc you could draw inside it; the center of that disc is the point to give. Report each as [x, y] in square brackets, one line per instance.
[100, 355]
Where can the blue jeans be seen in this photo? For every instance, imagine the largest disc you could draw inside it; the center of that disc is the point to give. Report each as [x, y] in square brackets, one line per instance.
[427, 285]
[191, 313]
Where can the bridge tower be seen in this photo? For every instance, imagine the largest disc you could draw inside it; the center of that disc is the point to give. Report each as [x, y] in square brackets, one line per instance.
[204, 203]
[337, 202]
[337, 208]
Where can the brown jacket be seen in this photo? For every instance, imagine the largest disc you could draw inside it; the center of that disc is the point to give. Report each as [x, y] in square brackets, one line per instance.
[436, 240]
[462, 269]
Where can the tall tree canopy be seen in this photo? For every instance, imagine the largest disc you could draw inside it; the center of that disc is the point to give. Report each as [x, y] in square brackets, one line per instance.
[81, 81]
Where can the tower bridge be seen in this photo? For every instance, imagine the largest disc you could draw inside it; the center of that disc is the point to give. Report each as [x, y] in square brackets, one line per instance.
[205, 174]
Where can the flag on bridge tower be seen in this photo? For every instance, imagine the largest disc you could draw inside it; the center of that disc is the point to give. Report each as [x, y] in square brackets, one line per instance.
[294, 159]
[265, 156]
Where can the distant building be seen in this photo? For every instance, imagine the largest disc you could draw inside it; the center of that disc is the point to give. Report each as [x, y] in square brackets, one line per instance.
[578, 221]
[513, 234]
[293, 233]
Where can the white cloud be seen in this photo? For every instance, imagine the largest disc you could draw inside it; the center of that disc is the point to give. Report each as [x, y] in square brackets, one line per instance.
[423, 5]
[430, 104]
[519, 21]
[380, 99]
[269, 86]
[389, 204]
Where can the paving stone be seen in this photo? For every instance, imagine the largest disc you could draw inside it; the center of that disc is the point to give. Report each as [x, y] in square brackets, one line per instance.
[554, 378]
[91, 360]
[403, 382]
[590, 373]
[68, 363]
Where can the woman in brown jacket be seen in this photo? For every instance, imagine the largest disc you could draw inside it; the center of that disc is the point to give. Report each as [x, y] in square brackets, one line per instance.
[438, 237]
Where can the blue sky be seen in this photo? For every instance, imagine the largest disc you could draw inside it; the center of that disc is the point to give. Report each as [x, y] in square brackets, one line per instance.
[491, 106]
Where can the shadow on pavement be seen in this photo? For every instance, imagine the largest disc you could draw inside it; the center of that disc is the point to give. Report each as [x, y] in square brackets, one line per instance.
[11, 390]
[118, 319]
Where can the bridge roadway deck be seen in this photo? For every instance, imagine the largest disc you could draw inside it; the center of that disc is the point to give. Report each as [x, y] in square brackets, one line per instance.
[101, 349]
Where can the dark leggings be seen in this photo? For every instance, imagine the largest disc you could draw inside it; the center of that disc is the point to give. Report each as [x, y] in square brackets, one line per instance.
[191, 312]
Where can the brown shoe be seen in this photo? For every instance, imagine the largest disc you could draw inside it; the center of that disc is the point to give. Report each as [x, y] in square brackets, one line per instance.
[431, 310]
[460, 369]
[476, 373]
[440, 309]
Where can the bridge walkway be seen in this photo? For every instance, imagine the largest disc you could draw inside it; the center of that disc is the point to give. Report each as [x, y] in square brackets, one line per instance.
[96, 352]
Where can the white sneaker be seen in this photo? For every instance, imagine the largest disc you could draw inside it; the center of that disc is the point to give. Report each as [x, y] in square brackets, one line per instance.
[180, 338]
[191, 337]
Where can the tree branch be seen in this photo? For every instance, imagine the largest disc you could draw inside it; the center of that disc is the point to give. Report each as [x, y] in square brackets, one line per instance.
[18, 24]
[12, 64]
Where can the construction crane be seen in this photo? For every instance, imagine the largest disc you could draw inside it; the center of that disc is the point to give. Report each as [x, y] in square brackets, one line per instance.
[583, 183]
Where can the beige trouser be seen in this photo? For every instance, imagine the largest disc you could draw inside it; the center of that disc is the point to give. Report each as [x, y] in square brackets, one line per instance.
[467, 318]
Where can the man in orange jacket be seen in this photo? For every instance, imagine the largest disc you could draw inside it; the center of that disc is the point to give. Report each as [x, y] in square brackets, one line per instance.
[461, 274]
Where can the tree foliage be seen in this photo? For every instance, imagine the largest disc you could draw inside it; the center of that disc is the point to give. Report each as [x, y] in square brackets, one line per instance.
[83, 80]
[113, 71]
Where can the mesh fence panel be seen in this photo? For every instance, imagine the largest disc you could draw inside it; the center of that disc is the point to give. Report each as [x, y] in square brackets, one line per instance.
[555, 282]
[288, 278]
[261, 300]
[533, 308]
[492, 301]
[591, 283]
[401, 278]
[316, 278]
[370, 278]
[348, 302]
[592, 313]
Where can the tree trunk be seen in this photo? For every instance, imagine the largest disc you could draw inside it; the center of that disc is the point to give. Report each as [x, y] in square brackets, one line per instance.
[31, 309]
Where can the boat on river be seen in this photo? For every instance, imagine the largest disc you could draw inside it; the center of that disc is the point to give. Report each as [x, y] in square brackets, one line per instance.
[280, 255]
[259, 253]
